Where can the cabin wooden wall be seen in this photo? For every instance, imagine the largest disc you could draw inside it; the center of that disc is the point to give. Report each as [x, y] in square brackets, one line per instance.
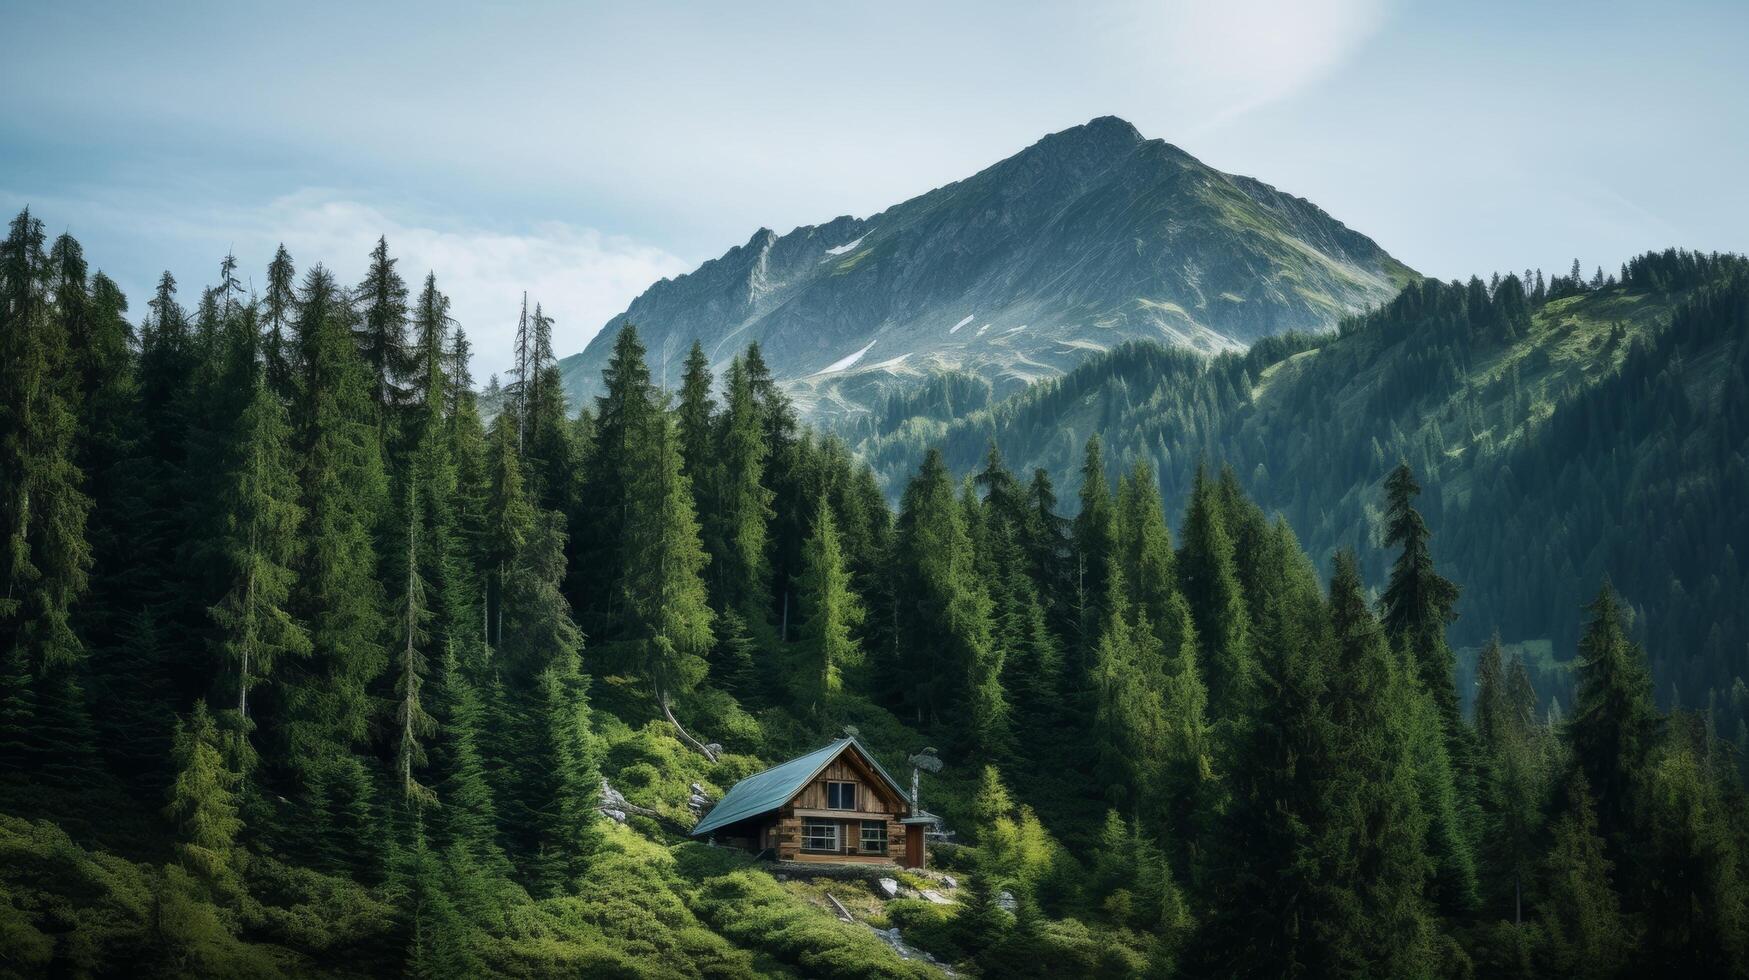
[875, 800]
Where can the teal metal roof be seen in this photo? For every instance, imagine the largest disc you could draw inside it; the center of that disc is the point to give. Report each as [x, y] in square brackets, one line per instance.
[765, 791]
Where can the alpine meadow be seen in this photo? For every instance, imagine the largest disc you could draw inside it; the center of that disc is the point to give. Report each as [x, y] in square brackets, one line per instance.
[1103, 565]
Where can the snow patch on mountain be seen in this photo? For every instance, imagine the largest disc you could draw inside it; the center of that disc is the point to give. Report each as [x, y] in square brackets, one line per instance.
[845, 362]
[846, 247]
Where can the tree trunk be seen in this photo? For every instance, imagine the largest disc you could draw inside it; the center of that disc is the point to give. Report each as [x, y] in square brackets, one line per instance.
[668, 713]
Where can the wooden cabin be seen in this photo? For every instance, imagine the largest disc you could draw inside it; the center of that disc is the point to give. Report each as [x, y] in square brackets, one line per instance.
[834, 805]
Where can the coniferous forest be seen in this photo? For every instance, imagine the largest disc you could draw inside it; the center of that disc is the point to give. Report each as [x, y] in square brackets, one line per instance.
[315, 661]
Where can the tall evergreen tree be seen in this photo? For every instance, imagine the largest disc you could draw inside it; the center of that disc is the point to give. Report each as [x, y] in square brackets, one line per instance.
[46, 557]
[697, 414]
[1095, 540]
[944, 633]
[340, 596]
[382, 331]
[669, 617]
[740, 567]
[1217, 605]
[1615, 725]
[279, 308]
[1418, 602]
[622, 415]
[830, 612]
[259, 546]
[1585, 933]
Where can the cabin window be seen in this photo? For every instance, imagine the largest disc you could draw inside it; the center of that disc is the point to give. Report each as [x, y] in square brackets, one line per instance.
[819, 835]
[840, 796]
[874, 837]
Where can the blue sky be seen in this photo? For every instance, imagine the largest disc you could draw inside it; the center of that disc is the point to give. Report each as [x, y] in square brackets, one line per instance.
[583, 150]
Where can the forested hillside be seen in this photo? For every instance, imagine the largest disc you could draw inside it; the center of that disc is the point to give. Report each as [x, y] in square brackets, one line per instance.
[310, 671]
[1568, 431]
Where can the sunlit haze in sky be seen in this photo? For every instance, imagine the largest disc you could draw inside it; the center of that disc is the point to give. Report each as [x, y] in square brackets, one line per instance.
[582, 151]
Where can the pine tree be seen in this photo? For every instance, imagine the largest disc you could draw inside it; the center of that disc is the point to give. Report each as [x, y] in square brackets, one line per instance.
[279, 306]
[438, 946]
[1585, 933]
[564, 777]
[1128, 719]
[1045, 539]
[1697, 905]
[508, 520]
[830, 612]
[1515, 778]
[552, 456]
[1217, 606]
[1271, 899]
[947, 658]
[45, 557]
[622, 415]
[340, 596]
[382, 332]
[1418, 602]
[669, 619]
[259, 545]
[413, 617]
[203, 801]
[1187, 776]
[1095, 540]
[1377, 826]
[697, 412]
[1615, 725]
[465, 822]
[741, 572]
[1145, 546]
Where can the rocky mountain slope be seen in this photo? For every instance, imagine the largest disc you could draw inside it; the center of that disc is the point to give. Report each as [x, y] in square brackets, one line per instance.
[1088, 238]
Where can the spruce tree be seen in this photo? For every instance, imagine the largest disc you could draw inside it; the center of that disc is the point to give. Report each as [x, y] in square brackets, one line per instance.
[1145, 546]
[1615, 725]
[622, 414]
[413, 617]
[552, 455]
[1376, 831]
[669, 619]
[740, 569]
[563, 783]
[1418, 602]
[946, 654]
[1095, 540]
[279, 308]
[1585, 934]
[203, 801]
[340, 596]
[45, 558]
[1211, 587]
[830, 613]
[259, 546]
[381, 332]
[1128, 718]
[697, 414]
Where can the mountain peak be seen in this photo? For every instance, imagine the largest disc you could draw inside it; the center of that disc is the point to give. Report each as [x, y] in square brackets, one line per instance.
[1103, 134]
[1089, 237]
